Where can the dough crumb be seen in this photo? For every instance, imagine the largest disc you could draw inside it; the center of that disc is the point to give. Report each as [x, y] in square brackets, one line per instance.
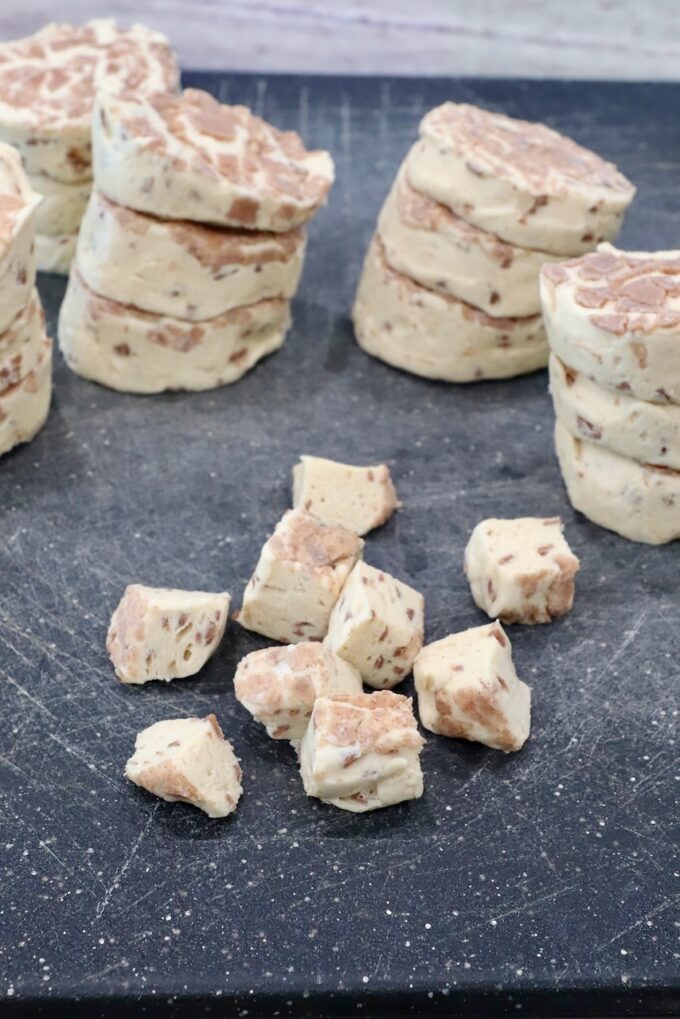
[521, 571]
[188, 760]
[377, 626]
[301, 571]
[279, 685]
[361, 753]
[468, 689]
[161, 633]
[359, 498]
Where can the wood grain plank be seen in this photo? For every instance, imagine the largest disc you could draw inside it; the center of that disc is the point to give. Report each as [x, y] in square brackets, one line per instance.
[529, 38]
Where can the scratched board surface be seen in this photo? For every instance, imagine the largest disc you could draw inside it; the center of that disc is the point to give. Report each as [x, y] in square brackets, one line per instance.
[533, 884]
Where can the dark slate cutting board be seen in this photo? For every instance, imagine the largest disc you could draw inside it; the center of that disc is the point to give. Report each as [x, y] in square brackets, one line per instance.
[537, 884]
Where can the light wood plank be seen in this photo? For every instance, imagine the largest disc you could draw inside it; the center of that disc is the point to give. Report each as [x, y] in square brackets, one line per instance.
[534, 38]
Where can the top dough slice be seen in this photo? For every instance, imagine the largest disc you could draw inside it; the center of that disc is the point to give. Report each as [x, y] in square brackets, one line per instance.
[48, 82]
[522, 181]
[615, 316]
[191, 157]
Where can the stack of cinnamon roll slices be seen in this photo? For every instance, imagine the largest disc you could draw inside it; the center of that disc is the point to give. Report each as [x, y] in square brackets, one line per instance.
[449, 288]
[25, 349]
[613, 323]
[192, 243]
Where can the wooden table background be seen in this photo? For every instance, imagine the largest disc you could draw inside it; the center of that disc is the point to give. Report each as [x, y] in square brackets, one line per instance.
[528, 38]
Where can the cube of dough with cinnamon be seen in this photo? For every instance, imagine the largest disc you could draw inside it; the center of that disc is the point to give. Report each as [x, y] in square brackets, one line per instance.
[279, 685]
[377, 626]
[301, 571]
[188, 760]
[467, 688]
[359, 498]
[521, 571]
[360, 753]
[161, 633]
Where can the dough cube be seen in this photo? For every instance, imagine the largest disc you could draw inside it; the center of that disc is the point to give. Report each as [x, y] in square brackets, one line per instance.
[360, 753]
[521, 571]
[301, 571]
[279, 685]
[188, 760]
[467, 688]
[377, 626]
[359, 498]
[159, 633]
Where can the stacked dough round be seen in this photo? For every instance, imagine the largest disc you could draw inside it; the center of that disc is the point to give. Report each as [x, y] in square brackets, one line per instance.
[25, 349]
[192, 243]
[613, 324]
[450, 284]
[47, 86]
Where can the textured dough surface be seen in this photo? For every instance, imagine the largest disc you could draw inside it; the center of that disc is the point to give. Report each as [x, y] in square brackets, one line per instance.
[186, 270]
[136, 352]
[279, 685]
[520, 180]
[635, 500]
[25, 406]
[468, 689]
[439, 337]
[163, 633]
[362, 753]
[615, 316]
[22, 344]
[188, 760]
[426, 241]
[521, 570]
[48, 82]
[643, 431]
[359, 498]
[191, 157]
[18, 209]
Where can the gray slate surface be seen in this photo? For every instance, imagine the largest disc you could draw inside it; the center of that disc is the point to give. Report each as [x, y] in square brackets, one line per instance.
[535, 884]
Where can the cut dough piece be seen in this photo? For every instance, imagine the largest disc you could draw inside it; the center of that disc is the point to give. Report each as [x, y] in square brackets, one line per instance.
[48, 82]
[360, 753]
[426, 241]
[62, 206]
[18, 208]
[191, 157]
[638, 501]
[131, 350]
[188, 760]
[646, 432]
[377, 626]
[359, 498]
[22, 344]
[468, 689]
[522, 570]
[522, 181]
[24, 406]
[161, 633]
[430, 334]
[615, 316]
[55, 253]
[279, 685]
[187, 270]
[301, 571]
